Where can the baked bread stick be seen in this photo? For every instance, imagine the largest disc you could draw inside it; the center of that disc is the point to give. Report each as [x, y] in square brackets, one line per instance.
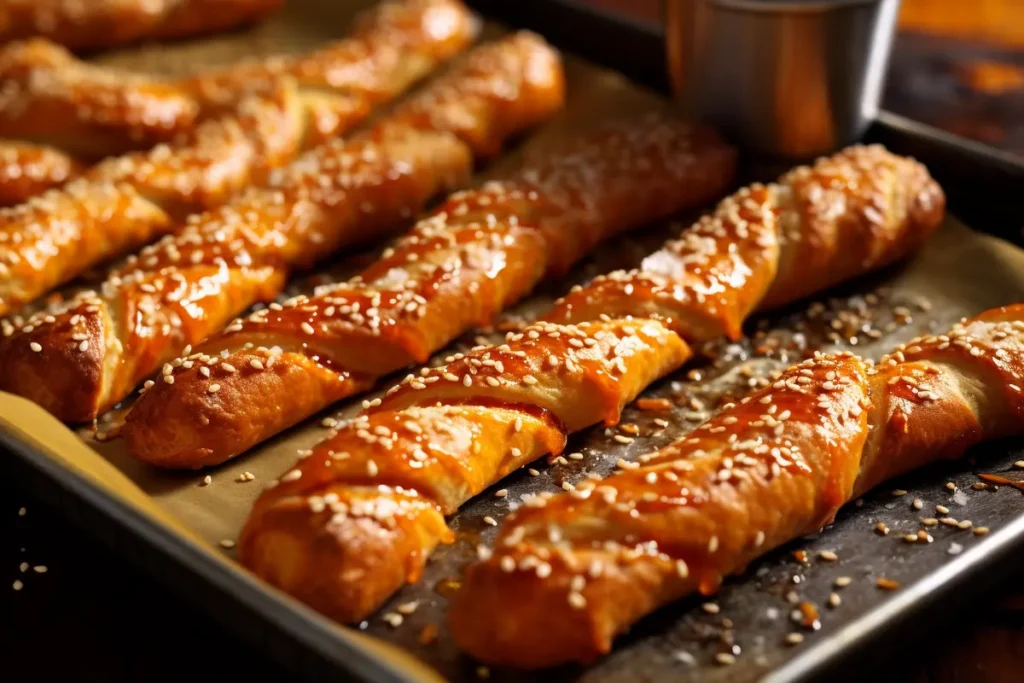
[478, 252]
[353, 521]
[570, 572]
[93, 351]
[53, 238]
[82, 24]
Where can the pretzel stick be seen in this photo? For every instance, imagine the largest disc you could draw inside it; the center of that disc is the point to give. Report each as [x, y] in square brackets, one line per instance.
[189, 285]
[53, 238]
[477, 253]
[357, 518]
[27, 170]
[774, 467]
[50, 97]
[105, 23]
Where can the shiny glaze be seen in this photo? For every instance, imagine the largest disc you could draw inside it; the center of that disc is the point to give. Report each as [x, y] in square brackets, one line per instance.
[478, 252]
[99, 23]
[27, 170]
[337, 194]
[772, 467]
[49, 96]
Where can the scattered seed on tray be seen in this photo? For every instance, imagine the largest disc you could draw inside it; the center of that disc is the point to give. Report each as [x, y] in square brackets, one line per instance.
[17, 585]
[882, 528]
[794, 638]
[917, 504]
[207, 480]
[942, 509]
[1019, 464]
[393, 619]
[711, 608]
[980, 530]
[834, 600]
[227, 544]
[950, 486]
[842, 581]
[725, 659]
[887, 584]
[22, 512]
[899, 492]
[828, 556]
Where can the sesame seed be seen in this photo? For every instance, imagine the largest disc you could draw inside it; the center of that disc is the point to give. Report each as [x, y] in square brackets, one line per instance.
[910, 538]
[725, 659]
[965, 524]
[1019, 464]
[169, 379]
[713, 544]
[794, 638]
[371, 468]
[980, 530]
[623, 439]
[842, 581]
[501, 493]
[207, 480]
[882, 529]
[84, 346]
[711, 607]
[917, 504]
[17, 585]
[39, 569]
[887, 584]
[490, 521]
[828, 556]
[227, 544]
[256, 364]
[929, 521]
[533, 472]
[307, 328]
[292, 475]
[393, 619]
[942, 509]
[576, 600]
[949, 521]
[408, 608]
[35, 346]
[950, 486]
[834, 600]
[22, 512]
[213, 388]
[899, 492]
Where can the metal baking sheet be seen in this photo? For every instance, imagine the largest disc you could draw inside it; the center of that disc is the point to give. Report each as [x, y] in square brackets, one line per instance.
[174, 525]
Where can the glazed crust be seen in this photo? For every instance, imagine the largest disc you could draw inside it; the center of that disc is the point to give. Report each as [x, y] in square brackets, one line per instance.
[774, 467]
[446, 276]
[423, 452]
[566, 372]
[27, 170]
[105, 23]
[48, 96]
[189, 285]
[768, 245]
[45, 245]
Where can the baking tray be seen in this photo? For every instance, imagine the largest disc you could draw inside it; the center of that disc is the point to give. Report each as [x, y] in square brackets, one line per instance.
[677, 643]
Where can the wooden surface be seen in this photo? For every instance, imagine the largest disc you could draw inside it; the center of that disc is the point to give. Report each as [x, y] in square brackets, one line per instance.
[958, 64]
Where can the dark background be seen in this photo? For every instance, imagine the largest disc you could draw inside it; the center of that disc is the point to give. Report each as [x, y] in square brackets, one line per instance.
[958, 64]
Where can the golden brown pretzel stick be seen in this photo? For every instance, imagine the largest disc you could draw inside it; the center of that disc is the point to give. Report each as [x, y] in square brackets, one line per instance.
[54, 238]
[27, 170]
[51, 97]
[570, 572]
[88, 356]
[477, 253]
[104, 23]
[345, 563]
[48, 96]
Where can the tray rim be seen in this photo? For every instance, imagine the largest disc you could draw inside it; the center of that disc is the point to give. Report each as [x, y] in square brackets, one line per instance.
[314, 647]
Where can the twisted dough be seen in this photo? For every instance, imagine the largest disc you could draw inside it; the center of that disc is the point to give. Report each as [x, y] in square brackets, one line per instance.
[104, 23]
[569, 572]
[50, 97]
[457, 268]
[127, 201]
[90, 354]
[358, 516]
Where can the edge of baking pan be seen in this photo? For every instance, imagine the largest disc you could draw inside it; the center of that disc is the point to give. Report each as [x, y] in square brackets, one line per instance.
[62, 471]
[51, 461]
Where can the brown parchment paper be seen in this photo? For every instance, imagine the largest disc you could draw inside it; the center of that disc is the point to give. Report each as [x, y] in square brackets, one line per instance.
[960, 272]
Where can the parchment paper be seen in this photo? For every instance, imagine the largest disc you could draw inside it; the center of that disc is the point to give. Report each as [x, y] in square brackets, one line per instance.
[960, 272]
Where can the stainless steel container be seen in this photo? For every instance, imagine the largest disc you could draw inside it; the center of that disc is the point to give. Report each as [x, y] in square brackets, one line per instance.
[787, 78]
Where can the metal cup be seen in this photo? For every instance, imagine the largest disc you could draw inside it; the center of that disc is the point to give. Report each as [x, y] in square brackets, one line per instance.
[786, 78]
